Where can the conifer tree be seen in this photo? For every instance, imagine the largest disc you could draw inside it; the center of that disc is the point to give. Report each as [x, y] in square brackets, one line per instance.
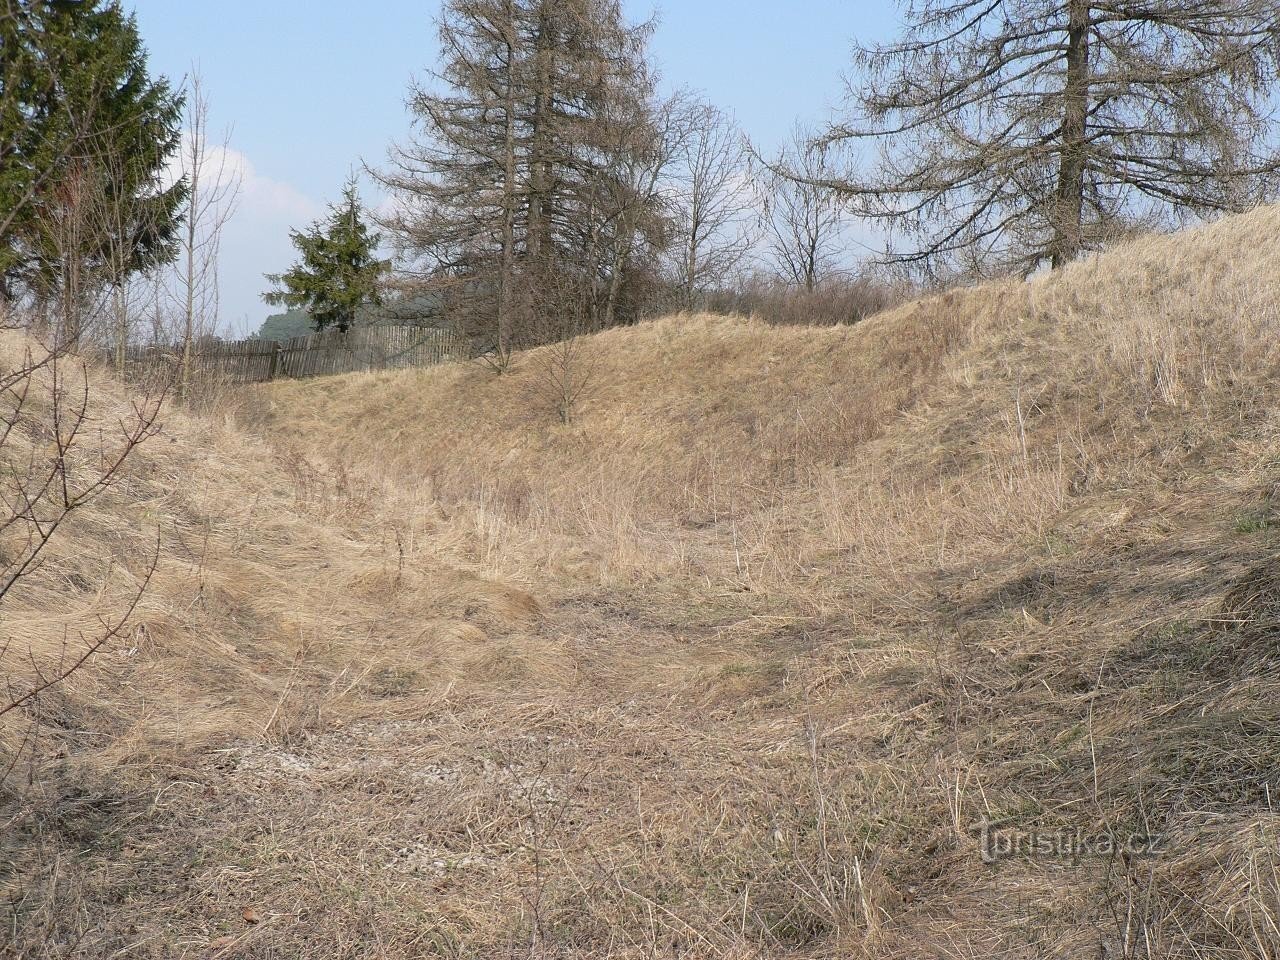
[339, 273]
[512, 199]
[81, 120]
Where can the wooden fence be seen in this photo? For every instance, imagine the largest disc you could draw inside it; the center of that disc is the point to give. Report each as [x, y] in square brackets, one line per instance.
[382, 347]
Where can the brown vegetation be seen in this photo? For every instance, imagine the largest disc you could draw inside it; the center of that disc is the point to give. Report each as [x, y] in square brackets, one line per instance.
[733, 663]
[835, 300]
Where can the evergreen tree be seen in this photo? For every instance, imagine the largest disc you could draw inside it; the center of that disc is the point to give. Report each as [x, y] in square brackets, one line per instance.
[338, 273]
[81, 122]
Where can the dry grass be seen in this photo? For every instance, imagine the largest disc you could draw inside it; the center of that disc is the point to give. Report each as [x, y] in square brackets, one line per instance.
[731, 665]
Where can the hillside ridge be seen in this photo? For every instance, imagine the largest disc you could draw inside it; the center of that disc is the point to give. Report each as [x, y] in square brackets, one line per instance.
[737, 662]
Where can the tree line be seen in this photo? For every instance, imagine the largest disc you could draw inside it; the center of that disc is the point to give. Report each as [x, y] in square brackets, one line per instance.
[555, 184]
[113, 190]
[549, 180]
[552, 186]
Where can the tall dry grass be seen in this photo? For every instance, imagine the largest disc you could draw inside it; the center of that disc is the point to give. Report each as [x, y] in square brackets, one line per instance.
[969, 510]
[735, 663]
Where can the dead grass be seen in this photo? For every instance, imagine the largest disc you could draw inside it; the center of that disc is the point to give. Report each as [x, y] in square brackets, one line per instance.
[734, 664]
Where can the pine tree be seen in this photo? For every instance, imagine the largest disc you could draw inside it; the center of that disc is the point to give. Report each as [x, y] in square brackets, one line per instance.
[339, 273]
[81, 121]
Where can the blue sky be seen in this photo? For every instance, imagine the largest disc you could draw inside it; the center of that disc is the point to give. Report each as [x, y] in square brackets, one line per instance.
[311, 88]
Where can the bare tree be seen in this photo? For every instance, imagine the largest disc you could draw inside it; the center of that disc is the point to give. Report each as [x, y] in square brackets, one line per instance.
[512, 186]
[56, 453]
[590, 119]
[213, 188]
[642, 158]
[455, 181]
[55, 459]
[712, 202]
[803, 218]
[40, 494]
[1013, 132]
[125, 268]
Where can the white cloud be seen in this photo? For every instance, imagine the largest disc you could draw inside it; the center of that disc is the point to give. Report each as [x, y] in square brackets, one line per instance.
[266, 196]
[255, 239]
[256, 242]
[225, 168]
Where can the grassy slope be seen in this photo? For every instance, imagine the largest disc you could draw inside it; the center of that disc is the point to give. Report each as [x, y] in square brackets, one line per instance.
[732, 664]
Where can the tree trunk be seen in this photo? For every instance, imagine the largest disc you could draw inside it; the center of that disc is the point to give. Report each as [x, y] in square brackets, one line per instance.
[189, 304]
[543, 103]
[620, 255]
[811, 258]
[506, 282]
[122, 324]
[1069, 206]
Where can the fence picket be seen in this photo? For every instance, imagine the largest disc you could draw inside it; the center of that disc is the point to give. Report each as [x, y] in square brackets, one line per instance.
[389, 347]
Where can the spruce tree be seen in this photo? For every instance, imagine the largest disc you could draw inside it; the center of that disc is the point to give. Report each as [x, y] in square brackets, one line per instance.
[80, 119]
[339, 272]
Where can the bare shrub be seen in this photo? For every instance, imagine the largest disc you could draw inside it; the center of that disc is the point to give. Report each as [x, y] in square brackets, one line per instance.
[56, 457]
[835, 301]
[563, 374]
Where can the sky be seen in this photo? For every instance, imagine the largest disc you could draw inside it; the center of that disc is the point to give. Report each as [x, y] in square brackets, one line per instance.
[307, 91]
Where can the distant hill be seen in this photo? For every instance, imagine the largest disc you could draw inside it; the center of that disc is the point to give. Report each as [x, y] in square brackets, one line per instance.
[296, 323]
[283, 326]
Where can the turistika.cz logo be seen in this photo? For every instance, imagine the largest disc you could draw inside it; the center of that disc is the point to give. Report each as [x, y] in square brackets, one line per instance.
[1002, 843]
